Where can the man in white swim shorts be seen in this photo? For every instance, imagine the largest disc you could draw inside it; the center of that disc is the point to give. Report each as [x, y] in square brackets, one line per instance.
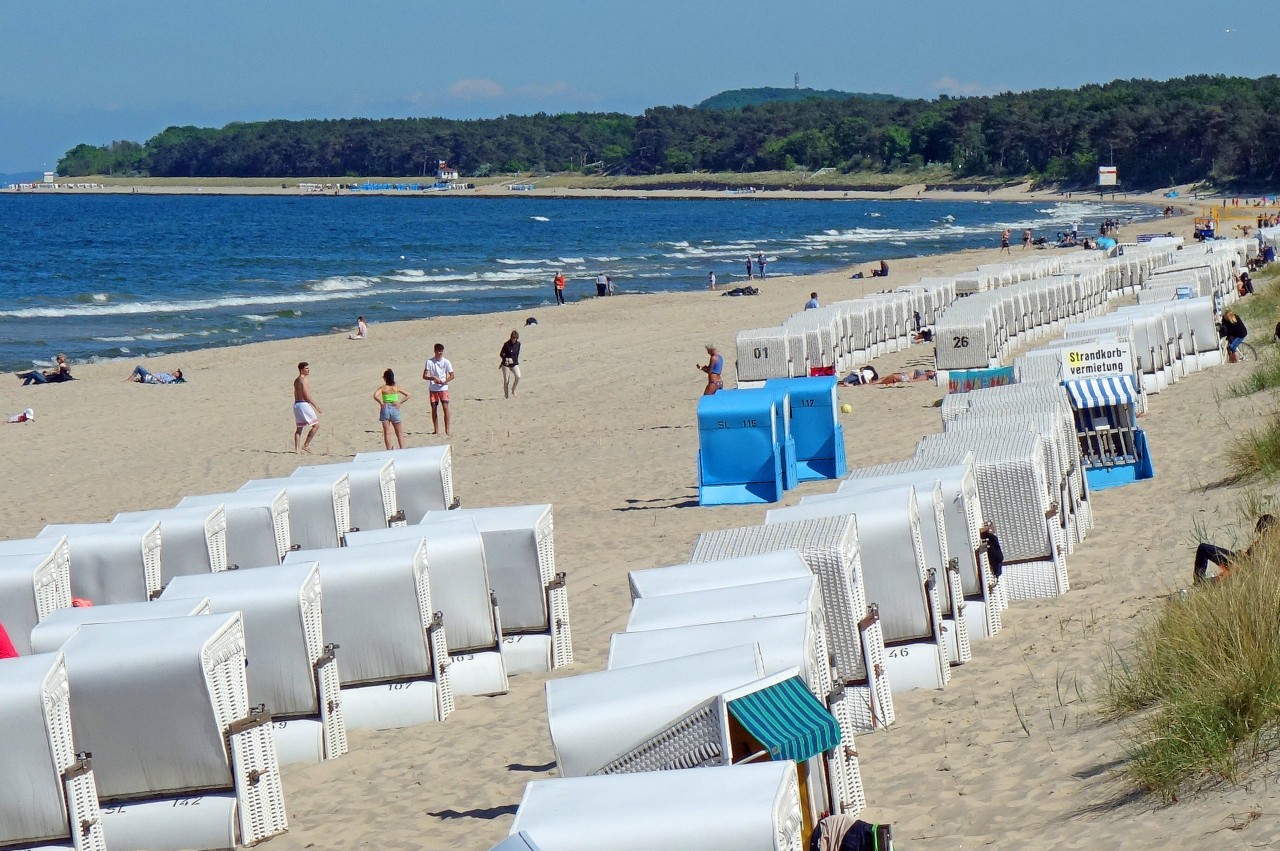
[305, 410]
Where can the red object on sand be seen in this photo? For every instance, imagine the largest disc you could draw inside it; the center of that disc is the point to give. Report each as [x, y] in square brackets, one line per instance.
[817, 371]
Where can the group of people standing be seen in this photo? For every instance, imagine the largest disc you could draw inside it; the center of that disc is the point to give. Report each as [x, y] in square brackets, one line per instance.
[604, 286]
[437, 372]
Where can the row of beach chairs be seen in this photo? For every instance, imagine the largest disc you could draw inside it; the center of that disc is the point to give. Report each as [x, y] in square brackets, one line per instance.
[364, 597]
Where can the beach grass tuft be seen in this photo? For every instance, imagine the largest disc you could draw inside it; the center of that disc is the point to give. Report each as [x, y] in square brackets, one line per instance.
[1202, 682]
[1256, 452]
[1264, 375]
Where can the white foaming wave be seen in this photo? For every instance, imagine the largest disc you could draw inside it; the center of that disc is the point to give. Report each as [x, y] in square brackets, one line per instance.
[257, 317]
[412, 273]
[540, 218]
[522, 261]
[417, 279]
[606, 259]
[342, 283]
[680, 244]
[572, 261]
[512, 275]
[897, 242]
[125, 339]
[99, 297]
[158, 337]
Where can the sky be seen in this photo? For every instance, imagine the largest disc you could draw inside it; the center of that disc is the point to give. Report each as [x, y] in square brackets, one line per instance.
[88, 71]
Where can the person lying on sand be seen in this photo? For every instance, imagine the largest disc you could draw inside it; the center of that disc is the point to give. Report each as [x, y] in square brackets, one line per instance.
[142, 376]
[903, 377]
[1225, 559]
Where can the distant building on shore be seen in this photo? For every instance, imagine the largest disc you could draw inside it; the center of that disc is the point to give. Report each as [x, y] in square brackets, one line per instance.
[446, 173]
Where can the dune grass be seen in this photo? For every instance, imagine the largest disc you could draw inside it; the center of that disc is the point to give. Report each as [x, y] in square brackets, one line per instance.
[1202, 683]
[1256, 452]
[1260, 313]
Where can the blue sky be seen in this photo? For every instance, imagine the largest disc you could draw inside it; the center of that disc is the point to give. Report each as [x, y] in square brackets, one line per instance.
[75, 71]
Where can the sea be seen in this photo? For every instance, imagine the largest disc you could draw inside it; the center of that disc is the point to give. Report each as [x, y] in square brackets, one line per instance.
[111, 277]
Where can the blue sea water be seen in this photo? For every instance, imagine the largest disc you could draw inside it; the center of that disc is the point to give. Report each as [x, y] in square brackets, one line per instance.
[125, 276]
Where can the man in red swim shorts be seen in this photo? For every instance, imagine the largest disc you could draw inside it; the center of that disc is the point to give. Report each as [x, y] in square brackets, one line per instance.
[438, 372]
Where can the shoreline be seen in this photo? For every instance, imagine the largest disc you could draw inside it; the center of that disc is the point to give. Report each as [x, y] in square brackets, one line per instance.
[604, 429]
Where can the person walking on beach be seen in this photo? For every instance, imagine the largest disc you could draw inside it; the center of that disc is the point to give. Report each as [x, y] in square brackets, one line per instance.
[305, 410]
[748, 267]
[760, 262]
[602, 285]
[390, 396]
[812, 303]
[1026, 239]
[711, 280]
[713, 368]
[509, 364]
[1004, 241]
[438, 372]
[559, 285]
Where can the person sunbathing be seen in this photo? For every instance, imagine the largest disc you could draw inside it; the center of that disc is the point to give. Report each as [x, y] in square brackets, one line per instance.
[903, 377]
[60, 372]
[142, 376]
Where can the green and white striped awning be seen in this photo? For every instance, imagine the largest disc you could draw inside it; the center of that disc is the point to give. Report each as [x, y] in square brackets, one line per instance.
[788, 720]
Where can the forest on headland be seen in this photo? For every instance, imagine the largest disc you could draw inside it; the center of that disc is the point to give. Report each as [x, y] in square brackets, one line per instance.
[1225, 130]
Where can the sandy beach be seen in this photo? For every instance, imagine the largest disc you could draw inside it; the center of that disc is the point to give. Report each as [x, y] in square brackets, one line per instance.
[1010, 755]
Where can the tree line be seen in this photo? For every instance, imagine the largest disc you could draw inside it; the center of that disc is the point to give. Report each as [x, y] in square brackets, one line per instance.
[1217, 128]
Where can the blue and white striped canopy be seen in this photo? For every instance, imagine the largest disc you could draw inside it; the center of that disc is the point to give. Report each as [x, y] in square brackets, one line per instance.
[1102, 392]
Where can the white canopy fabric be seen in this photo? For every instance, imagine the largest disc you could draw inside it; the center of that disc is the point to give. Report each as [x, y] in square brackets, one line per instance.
[32, 807]
[783, 641]
[511, 553]
[31, 584]
[143, 704]
[251, 532]
[722, 573]
[459, 577]
[312, 523]
[108, 564]
[272, 603]
[751, 807]
[1102, 392]
[368, 509]
[372, 610]
[54, 631]
[596, 718]
[717, 605]
[185, 540]
[424, 477]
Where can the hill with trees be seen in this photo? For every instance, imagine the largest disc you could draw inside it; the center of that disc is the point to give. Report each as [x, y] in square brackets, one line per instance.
[738, 98]
[1223, 129]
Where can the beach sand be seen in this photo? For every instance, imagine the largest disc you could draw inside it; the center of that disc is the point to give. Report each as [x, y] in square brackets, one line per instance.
[1010, 755]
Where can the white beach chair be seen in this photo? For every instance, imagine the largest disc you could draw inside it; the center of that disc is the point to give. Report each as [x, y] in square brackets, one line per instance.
[745, 570]
[32, 587]
[112, 562]
[257, 524]
[786, 642]
[294, 671]
[373, 490]
[54, 631]
[50, 796]
[195, 537]
[739, 808]
[424, 477]
[319, 510]
[597, 717]
[381, 608]
[830, 547]
[897, 580]
[181, 761]
[520, 554]
[985, 598]
[937, 556]
[764, 353]
[461, 589]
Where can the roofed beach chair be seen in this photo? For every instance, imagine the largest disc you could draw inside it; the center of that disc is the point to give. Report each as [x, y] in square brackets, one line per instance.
[195, 537]
[54, 631]
[294, 670]
[744, 570]
[424, 477]
[373, 490]
[769, 353]
[787, 643]
[112, 562]
[50, 795]
[181, 760]
[740, 808]
[897, 580]
[830, 547]
[461, 589]
[1013, 484]
[984, 597]
[257, 524]
[32, 587]
[937, 556]
[382, 608]
[319, 510]
[520, 554]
